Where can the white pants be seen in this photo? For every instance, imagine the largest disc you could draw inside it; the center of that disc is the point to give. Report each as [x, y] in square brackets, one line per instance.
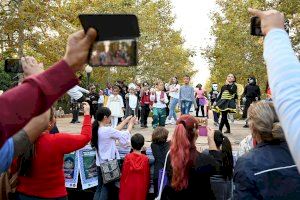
[114, 121]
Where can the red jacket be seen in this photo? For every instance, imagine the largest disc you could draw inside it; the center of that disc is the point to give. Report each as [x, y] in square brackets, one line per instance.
[145, 99]
[46, 178]
[135, 179]
[33, 97]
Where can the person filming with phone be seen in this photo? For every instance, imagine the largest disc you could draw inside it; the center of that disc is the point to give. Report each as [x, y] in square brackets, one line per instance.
[284, 76]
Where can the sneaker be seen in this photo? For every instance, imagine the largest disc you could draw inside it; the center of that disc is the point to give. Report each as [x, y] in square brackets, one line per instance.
[173, 122]
[168, 121]
[227, 131]
[246, 126]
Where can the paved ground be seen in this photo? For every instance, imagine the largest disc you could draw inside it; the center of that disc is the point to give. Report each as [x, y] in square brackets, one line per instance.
[238, 132]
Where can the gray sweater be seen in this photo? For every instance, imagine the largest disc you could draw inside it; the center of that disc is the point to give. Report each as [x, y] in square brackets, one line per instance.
[186, 93]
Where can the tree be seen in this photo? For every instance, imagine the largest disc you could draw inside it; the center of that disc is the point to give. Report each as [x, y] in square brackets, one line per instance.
[235, 50]
[41, 30]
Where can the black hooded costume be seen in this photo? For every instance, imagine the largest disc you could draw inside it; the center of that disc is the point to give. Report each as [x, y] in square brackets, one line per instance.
[251, 93]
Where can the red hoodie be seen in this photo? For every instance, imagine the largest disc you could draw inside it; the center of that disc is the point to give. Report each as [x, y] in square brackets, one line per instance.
[135, 179]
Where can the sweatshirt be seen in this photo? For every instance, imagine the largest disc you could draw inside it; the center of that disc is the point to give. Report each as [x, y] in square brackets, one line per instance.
[135, 178]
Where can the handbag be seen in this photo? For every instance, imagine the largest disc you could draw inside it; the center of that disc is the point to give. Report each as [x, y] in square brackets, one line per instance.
[163, 183]
[110, 170]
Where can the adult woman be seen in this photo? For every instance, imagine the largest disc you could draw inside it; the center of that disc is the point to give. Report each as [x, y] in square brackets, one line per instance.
[190, 170]
[106, 146]
[267, 171]
[174, 95]
[226, 101]
[41, 173]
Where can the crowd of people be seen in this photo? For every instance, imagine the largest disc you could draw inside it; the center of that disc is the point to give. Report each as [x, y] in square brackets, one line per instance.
[269, 169]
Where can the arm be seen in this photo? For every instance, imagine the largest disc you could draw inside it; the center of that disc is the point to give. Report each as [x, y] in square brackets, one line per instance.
[166, 100]
[67, 143]
[122, 136]
[152, 96]
[220, 94]
[6, 155]
[34, 96]
[232, 89]
[121, 100]
[83, 90]
[283, 71]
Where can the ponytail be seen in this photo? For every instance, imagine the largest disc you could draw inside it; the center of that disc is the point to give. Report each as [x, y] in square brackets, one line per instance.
[183, 153]
[227, 158]
[94, 140]
[101, 113]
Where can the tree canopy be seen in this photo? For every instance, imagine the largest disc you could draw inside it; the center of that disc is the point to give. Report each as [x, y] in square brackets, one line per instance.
[41, 28]
[235, 50]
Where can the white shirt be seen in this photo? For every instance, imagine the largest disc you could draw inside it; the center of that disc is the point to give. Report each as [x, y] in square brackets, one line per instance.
[107, 149]
[159, 104]
[174, 91]
[132, 101]
[284, 77]
[76, 92]
[101, 99]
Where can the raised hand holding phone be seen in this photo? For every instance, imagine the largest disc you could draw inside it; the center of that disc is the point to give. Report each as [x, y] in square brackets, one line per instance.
[86, 108]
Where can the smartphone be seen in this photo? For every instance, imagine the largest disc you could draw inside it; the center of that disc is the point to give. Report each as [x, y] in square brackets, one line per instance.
[13, 66]
[116, 42]
[255, 27]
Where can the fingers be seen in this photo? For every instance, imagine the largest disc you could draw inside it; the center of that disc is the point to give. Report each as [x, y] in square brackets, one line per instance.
[78, 35]
[90, 37]
[256, 12]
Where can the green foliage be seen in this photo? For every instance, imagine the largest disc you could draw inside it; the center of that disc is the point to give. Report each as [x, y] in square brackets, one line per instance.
[235, 50]
[40, 28]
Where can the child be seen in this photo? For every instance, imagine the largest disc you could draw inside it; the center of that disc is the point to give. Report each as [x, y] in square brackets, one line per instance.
[101, 99]
[186, 96]
[131, 101]
[135, 179]
[201, 101]
[160, 148]
[104, 140]
[145, 104]
[160, 99]
[116, 105]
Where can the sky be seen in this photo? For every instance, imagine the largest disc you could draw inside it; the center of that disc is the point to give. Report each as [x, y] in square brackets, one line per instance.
[192, 18]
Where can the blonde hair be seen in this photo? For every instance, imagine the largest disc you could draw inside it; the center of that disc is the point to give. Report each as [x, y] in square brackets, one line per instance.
[264, 121]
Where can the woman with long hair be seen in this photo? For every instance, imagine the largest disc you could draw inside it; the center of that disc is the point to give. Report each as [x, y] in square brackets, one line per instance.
[190, 170]
[268, 171]
[226, 101]
[41, 170]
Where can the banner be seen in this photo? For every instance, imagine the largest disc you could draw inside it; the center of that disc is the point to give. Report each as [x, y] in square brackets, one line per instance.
[87, 167]
[71, 169]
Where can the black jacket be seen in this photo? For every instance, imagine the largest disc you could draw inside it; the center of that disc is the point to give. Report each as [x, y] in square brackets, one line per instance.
[252, 91]
[267, 172]
[159, 151]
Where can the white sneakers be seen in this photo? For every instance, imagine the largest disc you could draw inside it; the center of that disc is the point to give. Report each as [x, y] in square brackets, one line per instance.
[172, 121]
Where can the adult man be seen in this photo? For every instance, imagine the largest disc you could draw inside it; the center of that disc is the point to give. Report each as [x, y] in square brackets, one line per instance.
[39, 92]
[76, 94]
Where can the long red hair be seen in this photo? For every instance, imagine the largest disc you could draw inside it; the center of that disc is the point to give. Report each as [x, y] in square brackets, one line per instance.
[183, 151]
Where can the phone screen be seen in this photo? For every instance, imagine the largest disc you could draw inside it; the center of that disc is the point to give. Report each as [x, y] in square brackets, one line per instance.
[13, 66]
[114, 53]
[256, 26]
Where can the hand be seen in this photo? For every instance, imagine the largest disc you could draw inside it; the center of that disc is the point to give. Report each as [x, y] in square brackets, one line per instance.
[86, 108]
[128, 119]
[132, 120]
[78, 47]
[226, 83]
[269, 19]
[31, 66]
[210, 133]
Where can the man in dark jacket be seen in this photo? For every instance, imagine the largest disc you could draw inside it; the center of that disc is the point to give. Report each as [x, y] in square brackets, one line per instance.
[251, 94]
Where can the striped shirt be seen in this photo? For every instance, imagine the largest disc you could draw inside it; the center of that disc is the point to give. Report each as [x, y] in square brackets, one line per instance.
[284, 77]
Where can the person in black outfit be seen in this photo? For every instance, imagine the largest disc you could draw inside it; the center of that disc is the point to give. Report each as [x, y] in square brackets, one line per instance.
[92, 99]
[220, 149]
[159, 147]
[226, 101]
[251, 94]
[189, 171]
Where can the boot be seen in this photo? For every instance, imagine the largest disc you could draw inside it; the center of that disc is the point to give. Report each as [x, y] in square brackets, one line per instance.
[227, 131]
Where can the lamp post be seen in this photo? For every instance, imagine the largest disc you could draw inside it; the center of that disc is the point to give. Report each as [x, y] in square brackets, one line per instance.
[88, 70]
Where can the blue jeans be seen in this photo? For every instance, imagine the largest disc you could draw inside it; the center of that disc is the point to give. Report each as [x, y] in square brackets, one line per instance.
[185, 107]
[103, 191]
[173, 105]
